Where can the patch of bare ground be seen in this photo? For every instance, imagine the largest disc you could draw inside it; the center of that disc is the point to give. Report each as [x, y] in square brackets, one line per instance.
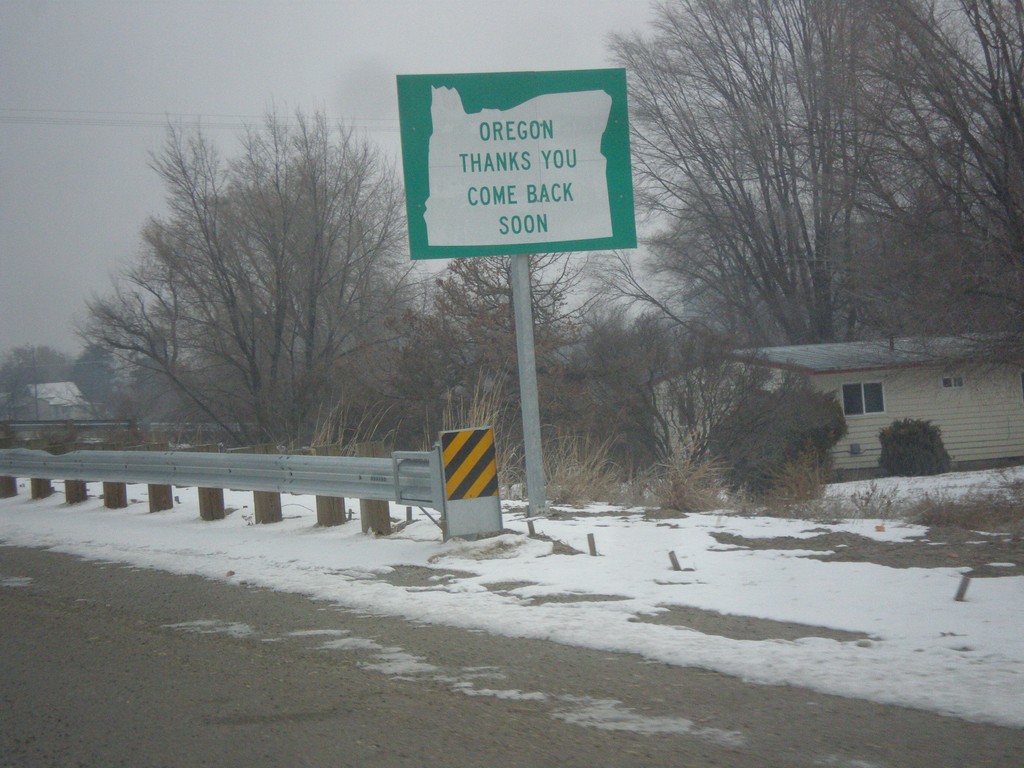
[504, 587]
[419, 576]
[743, 627]
[507, 587]
[942, 547]
[573, 597]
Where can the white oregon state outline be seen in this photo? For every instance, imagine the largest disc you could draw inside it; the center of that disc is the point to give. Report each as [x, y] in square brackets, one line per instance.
[483, 168]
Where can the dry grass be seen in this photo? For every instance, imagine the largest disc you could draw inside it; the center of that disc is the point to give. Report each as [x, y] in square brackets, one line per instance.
[875, 504]
[994, 510]
[578, 470]
[870, 504]
[332, 434]
[687, 486]
[799, 481]
[483, 408]
[989, 511]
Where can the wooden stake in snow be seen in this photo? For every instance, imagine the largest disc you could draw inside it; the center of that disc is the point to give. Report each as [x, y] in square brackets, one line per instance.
[675, 561]
[592, 544]
[961, 592]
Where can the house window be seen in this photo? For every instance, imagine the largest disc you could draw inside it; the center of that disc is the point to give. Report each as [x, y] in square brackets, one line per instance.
[952, 382]
[863, 398]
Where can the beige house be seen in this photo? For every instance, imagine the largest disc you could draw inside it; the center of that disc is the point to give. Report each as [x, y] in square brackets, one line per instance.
[979, 407]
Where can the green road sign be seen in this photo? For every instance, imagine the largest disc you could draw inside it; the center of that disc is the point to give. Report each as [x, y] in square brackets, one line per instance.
[516, 162]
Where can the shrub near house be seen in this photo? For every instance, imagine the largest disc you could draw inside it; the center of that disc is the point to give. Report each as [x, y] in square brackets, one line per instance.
[912, 447]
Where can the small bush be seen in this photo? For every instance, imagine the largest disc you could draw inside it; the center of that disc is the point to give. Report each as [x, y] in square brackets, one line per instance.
[912, 447]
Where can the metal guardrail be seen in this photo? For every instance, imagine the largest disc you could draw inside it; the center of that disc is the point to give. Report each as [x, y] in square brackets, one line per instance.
[408, 477]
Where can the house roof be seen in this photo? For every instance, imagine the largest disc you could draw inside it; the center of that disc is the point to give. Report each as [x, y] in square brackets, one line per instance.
[859, 355]
[59, 393]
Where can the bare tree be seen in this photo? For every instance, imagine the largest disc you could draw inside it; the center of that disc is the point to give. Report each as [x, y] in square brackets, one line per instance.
[957, 71]
[259, 294]
[626, 362]
[464, 339]
[750, 151]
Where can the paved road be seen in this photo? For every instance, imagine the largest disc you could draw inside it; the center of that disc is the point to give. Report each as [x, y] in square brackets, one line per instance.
[103, 665]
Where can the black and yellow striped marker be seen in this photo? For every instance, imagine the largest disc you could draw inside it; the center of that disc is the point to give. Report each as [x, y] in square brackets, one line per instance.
[470, 467]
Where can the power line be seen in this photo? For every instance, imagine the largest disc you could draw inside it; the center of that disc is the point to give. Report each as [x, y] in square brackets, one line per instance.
[75, 118]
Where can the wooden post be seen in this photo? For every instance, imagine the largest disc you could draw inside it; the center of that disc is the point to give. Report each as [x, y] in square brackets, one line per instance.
[330, 510]
[115, 495]
[41, 488]
[374, 515]
[211, 500]
[161, 497]
[8, 487]
[961, 591]
[675, 561]
[211, 504]
[592, 544]
[267, 505]
[75, 491]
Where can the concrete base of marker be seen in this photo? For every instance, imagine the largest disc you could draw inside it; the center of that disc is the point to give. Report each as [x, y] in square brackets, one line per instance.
[75, 491]
[161, 497]
[211, 504]
[267, 505]
[330, 510]
[40, 488]
[115, 495]
[8, 487]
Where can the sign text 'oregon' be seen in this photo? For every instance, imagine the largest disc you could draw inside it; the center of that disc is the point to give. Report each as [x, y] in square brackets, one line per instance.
[470, 466]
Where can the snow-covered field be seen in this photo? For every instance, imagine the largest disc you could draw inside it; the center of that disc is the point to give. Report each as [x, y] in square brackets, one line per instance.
[915, 646]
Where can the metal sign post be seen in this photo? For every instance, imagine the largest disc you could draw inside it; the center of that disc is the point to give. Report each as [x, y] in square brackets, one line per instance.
[522, 304]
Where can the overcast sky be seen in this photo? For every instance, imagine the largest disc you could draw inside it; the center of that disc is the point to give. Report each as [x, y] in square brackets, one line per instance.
[87, 88]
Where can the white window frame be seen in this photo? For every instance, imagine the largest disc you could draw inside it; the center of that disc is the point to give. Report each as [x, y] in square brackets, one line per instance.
[953, 381]
[863, 400]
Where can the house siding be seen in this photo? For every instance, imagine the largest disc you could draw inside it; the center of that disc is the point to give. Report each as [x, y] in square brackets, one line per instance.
[983, 421]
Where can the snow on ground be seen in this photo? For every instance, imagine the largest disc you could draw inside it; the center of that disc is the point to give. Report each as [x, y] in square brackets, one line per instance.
[915, 646]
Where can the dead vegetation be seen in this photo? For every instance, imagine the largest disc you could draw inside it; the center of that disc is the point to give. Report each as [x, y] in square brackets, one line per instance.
[993, 511]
